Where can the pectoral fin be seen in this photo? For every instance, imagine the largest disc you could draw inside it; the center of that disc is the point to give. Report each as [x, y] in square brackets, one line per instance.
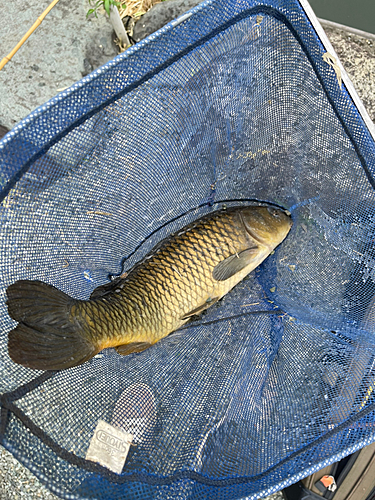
[126, 349]
[234, 264]
[201, 308]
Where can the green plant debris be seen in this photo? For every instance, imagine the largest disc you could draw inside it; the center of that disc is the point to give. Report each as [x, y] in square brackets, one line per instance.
[101, 3]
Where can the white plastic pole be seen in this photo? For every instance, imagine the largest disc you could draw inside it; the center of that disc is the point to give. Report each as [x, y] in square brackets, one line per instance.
[118, 26]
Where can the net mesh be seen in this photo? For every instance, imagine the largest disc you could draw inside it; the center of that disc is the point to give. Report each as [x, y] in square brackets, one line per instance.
[275, 381]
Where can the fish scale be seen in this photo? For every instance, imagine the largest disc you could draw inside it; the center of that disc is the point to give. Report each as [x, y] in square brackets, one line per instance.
[171, 295]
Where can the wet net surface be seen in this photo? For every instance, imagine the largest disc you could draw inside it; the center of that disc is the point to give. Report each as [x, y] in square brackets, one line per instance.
[233, 105]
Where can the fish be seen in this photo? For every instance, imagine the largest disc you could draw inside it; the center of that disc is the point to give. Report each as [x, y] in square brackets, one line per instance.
[182, 276]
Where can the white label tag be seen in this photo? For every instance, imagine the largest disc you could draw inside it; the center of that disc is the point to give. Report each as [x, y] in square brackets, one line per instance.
[109, 446]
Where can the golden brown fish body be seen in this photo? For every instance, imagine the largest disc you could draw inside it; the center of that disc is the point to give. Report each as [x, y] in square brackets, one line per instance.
[182, 276]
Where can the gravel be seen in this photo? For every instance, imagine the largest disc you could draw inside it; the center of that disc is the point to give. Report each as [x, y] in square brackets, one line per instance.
[17, 482]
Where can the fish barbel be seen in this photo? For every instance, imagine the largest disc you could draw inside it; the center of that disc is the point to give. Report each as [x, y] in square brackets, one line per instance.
[182, 276]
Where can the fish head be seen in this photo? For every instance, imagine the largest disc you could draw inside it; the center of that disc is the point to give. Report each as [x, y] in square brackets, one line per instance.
[266, 224]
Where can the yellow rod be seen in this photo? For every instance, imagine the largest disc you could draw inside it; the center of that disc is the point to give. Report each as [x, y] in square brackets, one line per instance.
[26, 36]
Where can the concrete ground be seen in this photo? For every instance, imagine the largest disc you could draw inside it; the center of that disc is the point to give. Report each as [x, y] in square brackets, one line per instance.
[62, 50]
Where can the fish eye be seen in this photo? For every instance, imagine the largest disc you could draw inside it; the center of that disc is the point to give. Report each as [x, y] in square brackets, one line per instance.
[273, 211]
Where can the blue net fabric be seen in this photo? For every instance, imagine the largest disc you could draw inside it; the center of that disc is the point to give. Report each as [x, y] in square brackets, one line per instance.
[233, 104]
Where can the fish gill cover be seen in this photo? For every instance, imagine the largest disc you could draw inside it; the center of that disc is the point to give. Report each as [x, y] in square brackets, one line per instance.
[233, 105]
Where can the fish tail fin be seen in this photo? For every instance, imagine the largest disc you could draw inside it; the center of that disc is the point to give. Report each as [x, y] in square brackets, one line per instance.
[49, 335]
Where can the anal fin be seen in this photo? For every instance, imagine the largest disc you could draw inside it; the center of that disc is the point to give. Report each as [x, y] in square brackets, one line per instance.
[126, 349]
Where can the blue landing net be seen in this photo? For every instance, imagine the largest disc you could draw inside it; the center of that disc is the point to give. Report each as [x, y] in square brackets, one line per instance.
[235, 103]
